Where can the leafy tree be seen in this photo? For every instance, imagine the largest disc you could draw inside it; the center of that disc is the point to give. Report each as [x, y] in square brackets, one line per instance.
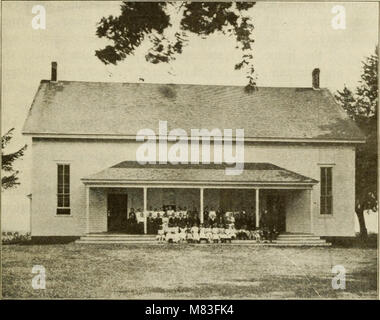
[362, 106]
[11, 180]
[167, 25]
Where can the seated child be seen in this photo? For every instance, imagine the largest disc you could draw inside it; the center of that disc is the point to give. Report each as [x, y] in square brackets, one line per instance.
[222, 235]
[208, 234]
[232, 231]
[182, 234]
[189, 235]
[195, 233]
[215, 234]
[172, 235]
[160, 236]
[202, 234]
[228, 235]
[257, 235]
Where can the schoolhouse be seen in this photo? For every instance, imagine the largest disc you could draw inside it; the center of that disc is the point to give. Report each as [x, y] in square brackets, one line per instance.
[299, 155]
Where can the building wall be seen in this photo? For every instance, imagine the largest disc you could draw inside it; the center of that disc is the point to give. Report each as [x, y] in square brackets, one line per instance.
[98, 210]
[298, 211]
[87, 157]
[307, 160]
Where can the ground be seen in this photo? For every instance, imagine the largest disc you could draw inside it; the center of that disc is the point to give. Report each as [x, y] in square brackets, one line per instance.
[187, 271]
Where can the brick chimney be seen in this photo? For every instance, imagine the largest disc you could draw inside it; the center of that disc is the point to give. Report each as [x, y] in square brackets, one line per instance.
[315, 76]
[54, 71]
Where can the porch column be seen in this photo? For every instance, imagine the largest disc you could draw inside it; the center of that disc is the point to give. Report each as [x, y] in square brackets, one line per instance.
[145, 209]
[87, 209]
[201, 218]
[311, 211]
[257, 192]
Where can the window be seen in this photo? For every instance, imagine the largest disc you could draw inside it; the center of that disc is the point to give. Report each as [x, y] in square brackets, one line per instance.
[326, 190]
[63, 188]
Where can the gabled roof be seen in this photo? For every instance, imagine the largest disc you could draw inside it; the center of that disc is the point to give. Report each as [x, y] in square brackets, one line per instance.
[67, 108]
[131, 171]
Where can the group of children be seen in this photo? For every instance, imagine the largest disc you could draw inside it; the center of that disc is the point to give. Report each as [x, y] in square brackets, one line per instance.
[218, 234]
[197, 234]
[184, 225]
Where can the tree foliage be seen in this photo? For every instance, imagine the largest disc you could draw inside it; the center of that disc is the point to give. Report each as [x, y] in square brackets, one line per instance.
[362, 106]
[9, 177]
[167, 26]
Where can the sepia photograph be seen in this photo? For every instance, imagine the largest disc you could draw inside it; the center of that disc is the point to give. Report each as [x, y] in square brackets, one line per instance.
[186, 150]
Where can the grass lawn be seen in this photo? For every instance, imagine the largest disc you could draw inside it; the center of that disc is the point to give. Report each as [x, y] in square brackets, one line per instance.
[187, 271]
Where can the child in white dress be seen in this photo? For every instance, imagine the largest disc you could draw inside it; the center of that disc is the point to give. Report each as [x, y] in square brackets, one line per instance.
[228, 235]
[215, 234]
[182, 234]
[160, 236]
[172, 236]
[195, 233]
[202, 234]
[208, 234]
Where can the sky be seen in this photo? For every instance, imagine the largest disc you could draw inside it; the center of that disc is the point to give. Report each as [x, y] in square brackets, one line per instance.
[291, 39]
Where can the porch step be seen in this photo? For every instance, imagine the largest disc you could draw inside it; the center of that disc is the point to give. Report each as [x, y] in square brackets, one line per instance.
[297, 237]
[302, 239]
[114, 242]
[116, 239]
[278, 244]
[290, 240]
[119, 236]
[288, 234]
[102, 238]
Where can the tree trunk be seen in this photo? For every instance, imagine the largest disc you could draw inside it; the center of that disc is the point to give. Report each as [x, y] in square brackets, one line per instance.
[363, 229]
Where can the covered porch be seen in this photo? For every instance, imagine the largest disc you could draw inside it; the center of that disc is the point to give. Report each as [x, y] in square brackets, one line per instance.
[114, 193]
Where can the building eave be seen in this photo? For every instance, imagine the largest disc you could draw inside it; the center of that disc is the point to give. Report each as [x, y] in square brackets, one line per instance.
[196, 184]
[246, 139]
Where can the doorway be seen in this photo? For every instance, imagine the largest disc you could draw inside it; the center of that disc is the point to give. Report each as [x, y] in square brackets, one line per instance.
[117, 212]
[275, 203]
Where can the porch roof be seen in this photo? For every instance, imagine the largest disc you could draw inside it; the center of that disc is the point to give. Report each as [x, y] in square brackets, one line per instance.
[131, 172]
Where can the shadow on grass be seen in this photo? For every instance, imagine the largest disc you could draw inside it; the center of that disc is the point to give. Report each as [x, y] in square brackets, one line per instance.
[273, 287]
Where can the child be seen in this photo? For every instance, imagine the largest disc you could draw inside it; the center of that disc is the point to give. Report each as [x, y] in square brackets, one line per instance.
[223, 235]
[165, 219]
[212, 217]
[228, 235]
[202, 234]
[172, 236]
[195, 233]
[215, 234]
[189, 235]
[257, 235]
[160, 236]
[182, 234]
[232, 231]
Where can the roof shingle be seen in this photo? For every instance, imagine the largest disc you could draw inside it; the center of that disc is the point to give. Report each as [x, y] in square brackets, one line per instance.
[91, 108]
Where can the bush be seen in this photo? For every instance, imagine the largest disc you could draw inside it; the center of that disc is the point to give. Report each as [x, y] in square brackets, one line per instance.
[15, 238]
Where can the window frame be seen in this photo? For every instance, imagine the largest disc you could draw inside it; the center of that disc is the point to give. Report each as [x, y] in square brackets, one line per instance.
[63, 193]
[324, 192]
